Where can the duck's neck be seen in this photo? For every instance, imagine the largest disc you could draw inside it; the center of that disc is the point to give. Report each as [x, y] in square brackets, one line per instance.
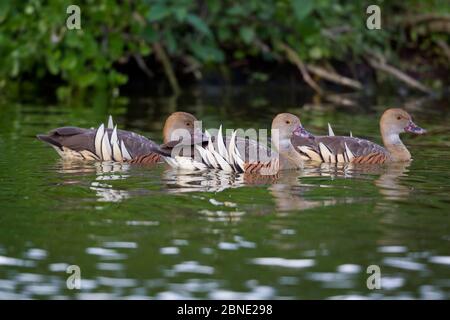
[289, 158]
[394, 145]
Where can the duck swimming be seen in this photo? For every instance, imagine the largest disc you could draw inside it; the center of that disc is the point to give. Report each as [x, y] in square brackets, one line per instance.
[112, 144]
[338, 149]
[238, 154]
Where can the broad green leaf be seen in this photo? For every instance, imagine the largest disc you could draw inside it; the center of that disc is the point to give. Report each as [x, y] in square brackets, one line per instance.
[117, 78]
[150, 34]
[15, 68]
[247, 34]
[53, 61]
[302, 8]
[236, 10]
[90, 45]
[158, 12]
[224, 34]
[144, 49]
[115, 45]
[171, 42]
[180, 13]
[63, 92]
[315, 53]
[52, 66]
[4, 9]
[207, 53]
[87, 79]
[69, 62]
[198, 24]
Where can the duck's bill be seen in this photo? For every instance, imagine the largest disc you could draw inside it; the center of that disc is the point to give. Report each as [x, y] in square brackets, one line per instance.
[413, 128]
[303, 133]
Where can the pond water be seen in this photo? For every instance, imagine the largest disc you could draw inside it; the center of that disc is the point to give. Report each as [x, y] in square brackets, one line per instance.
[152, 232]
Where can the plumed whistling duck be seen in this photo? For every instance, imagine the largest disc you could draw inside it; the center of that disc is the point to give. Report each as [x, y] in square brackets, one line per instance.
[338, 149]
[111, 144]
[237, 154]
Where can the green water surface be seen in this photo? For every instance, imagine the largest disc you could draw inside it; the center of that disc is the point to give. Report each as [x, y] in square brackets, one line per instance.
[152, 232]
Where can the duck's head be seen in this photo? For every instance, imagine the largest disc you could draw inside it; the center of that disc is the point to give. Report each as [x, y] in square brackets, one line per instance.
[181, 125]
[396, 121]
[288, 125]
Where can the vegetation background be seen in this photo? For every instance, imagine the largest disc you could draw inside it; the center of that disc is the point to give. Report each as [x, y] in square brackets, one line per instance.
[167, 45]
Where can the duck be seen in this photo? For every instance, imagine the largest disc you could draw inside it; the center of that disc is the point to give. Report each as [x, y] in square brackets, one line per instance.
[349, 149]
[107, 143]
[245, 155]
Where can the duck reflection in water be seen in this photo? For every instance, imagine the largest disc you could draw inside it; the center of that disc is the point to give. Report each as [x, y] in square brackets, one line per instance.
[290, 193]
[178, 181]
[104, 171]
[287, 188]
[389, 182]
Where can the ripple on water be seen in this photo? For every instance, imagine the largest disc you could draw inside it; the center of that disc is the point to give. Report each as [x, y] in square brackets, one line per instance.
[117, 282]
[29, 277]
[282, 262]
[169, 250]
[256, 293]
[332, 279]
[349, 268]
[142, 223]
[107, 254]
[391, 282]
[8, 261]
[392, 249]
[228, 246]
[96, 296]
[109, 266]
[170, 295]
[431, 293]
[8, 285]
[58, 267]
[192, 267]
[120, 244]
[180, 242]
[298, 228]
[195, 286]
[36, 254]
[207, 250]
[440, 260]
[404, 263]
[41, 289]
[221, 216]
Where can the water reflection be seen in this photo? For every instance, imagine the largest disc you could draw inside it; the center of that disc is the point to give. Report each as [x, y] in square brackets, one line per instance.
[288, 188]
[219, 236]
[205, 181]
[290, 193]
[103, 171]
[389, 182]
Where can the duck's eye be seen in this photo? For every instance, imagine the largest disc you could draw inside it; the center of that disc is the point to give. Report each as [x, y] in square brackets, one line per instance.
[288, 122]
[188, 124]
[399, 118]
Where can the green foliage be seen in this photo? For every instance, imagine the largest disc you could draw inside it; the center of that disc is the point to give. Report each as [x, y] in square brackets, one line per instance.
[35, 43]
